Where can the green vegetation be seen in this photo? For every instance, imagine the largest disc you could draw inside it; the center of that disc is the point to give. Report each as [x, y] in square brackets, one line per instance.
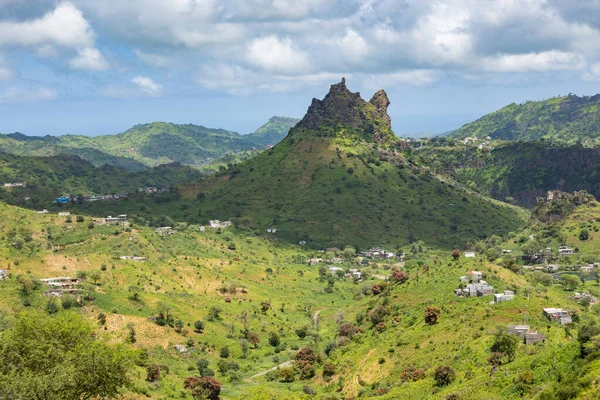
[150, 145]
[567, 119]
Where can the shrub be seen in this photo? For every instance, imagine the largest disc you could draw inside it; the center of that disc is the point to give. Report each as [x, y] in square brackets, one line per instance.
[444, 375]
[302, 332]
[328, 369]
[287, 374]
[455, 254]
[347, 329]
[584, 234]
[431, 313]
[224, 353]
[152, 372]
[399, 276]
[205, 387]
[274, 339]
[253, 338]
[198, 326]
[378, 314]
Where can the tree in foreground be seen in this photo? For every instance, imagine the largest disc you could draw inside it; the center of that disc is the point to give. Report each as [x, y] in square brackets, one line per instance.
[455, 254]
[399, 276]
[506, 344]
[56, 357]
[203, 388]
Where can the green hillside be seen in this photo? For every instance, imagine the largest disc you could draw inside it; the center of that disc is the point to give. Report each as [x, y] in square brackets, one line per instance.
[567, 119]
[340, 178]
[518, 172]
[150, 145]
[47, 178]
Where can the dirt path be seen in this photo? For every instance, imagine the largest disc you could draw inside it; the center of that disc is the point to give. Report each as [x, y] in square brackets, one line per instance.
[356, 378]
[316, 316]
[282, 365]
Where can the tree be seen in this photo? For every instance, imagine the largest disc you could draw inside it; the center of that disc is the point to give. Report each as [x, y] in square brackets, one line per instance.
[302, 332]
[253, 339]
[203, 388]
[201, 364]
[431, 313]
[287, 374]
[57, 357]
[265, 306]
[224, 353]
[245, 347]
[178, 326]
[199, 326]
[95, 276]
[506, 344]
[569, 281]
[444, 375]
[455, 254]
[214, 313]
[274, 339]
[584, 234]
[399, 276]
[152, 372]
[378, 314]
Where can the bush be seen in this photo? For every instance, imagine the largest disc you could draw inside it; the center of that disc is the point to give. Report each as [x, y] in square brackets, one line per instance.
[584, 234]
[152, 372]
[399, 276]
[205, 387]
[224, 353]
[431, 313]
[505, 344]
[274, 339]
[455, 254]
[378, 314]
[287, 374]
[198, 326]
[302, 332]
[444, 375]
[347, 329]
[328, 369]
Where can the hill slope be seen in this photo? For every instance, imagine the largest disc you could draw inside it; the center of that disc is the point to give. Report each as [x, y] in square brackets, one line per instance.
[566, 119]
[150, 145]
[339, 178]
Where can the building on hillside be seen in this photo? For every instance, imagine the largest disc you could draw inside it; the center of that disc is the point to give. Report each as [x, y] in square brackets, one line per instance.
[15, 184]
[557, 315]
[61, 285]
[165, 230]
[334, 270]
[62, 200]
[3, 274]
[507, 295]
[202, 228]
[302, 242]
[219, 224]
[313, 261]
[552, 267]
[565, 251]
[354, 273]
[475, 290]
[469, 254]
[586, 269]
[376, 252]
[525, 333]
[472, 277]
[64, 214]
[271, 230]
[506, 251]
[44, 211]
[585, 295]
[133, 258]
[120, 220]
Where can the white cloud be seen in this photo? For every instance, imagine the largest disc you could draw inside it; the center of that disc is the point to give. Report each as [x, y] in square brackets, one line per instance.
[64, 26]
[142, 86]
[354, 45]
[148, 86]
[277, 56]
[23, 95]
[89, 58]
[402, 78]
[593, 75]
[155, 60]
[5, 72]
[537, 62]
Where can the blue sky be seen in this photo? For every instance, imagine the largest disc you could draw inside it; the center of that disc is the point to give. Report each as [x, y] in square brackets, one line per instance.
[100, 66]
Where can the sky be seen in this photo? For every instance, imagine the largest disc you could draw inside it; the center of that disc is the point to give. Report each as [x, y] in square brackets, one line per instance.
[101, 66]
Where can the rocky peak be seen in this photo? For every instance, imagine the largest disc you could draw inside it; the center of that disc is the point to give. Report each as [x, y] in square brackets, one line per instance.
[342, 107]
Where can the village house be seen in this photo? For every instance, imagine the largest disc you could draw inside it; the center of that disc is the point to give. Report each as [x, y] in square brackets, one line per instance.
[271, 230]
[552, 267]
[202, 228]
[472, 277]
[586, 269]
[165, 230]
[354, 273]
[376, 252]
[475, 290]
[44, 211]
[469, 254]
[3, 274]
[507, 295]
[64, 214]
[585, 295]
[313, 261]
[133, 258]
[302, 242]
[120, 220]
[61, 285]
[557, 315]
[524, 332]
[219, 224]
[333, 269]
[565, 251]
[15, 184]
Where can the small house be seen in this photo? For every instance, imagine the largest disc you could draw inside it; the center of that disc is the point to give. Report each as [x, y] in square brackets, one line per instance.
[44, 211]
[62, 200]
[334, 269]
[552, 268]
[565, 251]
[133, 258]
[557, 315]
[534, 337]
[524, 332]
[518, 330]
[507, 295]
[586, 269]
[302, 242]
[64, 214]
[60, 285]
[201, 228]
[3, 274]
[165, 230]
[271, 230]
[469, 254]
[475, 290]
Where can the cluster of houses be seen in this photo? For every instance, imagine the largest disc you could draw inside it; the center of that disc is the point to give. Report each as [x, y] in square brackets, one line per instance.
[352, 273]
[219, 224]
[133, 258]
[110, 220]
[107, 197]
[525, 333]
[557, 315]
[376, 252]
[15, 184]
[552, 268]
[477, 287]
[61, 285]
[585, 295]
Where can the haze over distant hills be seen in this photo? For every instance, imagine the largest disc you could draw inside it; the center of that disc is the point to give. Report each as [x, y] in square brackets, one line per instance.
[150, 145]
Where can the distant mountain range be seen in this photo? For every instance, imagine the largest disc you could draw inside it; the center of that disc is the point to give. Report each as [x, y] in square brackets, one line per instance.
[150, 145]
[567, 119]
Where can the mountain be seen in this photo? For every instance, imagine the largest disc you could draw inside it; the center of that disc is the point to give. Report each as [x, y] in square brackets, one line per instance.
[568, 119]
[47, 178]
[150, 145]
[273, 131]
[340, 177]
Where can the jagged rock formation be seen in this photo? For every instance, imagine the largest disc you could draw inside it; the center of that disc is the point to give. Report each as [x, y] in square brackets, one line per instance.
[340, 107]
[558, 205]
